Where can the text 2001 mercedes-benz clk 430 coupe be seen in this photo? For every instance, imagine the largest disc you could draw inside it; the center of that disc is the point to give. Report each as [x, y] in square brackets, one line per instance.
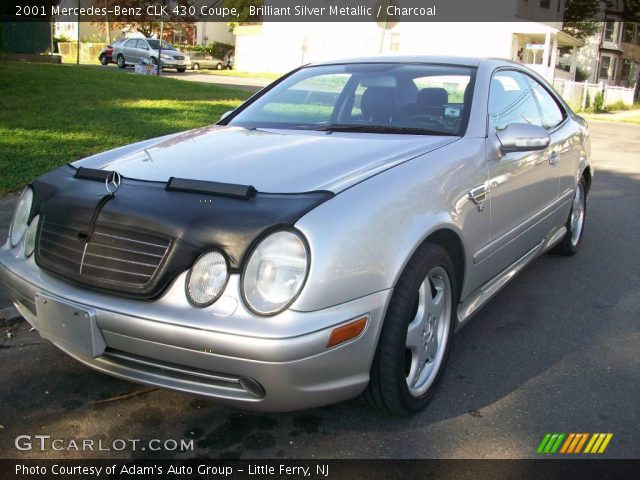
[321, 241]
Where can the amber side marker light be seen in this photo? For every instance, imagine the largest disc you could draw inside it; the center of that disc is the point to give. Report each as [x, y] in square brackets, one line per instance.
[347, 332]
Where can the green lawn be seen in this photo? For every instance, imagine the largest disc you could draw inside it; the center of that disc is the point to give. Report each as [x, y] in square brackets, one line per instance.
[53, 114]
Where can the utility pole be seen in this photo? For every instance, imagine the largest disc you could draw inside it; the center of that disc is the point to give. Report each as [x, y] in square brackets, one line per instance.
[106, 21]
[159, 66]
[78, 49]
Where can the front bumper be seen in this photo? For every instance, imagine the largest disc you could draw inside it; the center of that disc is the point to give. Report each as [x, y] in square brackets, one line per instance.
[277, 363]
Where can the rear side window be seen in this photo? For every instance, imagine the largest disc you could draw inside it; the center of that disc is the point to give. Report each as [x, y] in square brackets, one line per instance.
[552, 114]
[511, 101]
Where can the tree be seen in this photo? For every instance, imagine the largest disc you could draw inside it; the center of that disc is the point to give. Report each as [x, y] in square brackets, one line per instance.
[144, 23]
[581, 17]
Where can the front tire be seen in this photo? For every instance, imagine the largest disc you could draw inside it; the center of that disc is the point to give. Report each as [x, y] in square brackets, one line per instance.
[416, 335]
[181, 69]
[103, 59]
[120, 61]
[572, 240]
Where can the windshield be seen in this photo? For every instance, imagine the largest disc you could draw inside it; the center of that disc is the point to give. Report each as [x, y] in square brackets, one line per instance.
[379, 98]
[155, 44]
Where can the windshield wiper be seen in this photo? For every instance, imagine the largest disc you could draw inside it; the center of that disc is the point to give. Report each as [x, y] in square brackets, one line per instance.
[347, 127]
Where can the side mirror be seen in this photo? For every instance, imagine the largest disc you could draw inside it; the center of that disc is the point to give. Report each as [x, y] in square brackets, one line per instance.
[523, 137]
[225, 115]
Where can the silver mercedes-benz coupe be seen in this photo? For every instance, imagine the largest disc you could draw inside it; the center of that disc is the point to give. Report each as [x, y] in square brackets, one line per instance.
[323, 240]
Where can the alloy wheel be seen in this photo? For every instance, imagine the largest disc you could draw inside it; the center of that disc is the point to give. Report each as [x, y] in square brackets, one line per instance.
[427, 332]
[577, 215]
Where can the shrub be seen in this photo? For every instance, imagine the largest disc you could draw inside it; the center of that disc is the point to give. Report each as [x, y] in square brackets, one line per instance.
[581, 74]
[598, 103]
[619, 105]
[587, 103]
[60, 39]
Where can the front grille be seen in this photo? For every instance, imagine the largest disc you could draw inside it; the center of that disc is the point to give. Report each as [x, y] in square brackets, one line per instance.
[114, 258]
[178, 57]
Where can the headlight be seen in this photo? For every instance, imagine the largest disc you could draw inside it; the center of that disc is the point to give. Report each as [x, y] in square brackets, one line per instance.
[275, 273]
[21, 216]
[207, 279]
[30, 240]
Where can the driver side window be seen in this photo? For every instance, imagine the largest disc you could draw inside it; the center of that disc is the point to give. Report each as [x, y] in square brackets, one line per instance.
[511, 101]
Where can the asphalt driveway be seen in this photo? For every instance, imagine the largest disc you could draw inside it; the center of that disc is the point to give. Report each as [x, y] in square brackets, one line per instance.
[555, 351]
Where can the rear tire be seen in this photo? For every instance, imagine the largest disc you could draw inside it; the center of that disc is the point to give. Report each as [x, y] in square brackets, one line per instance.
[572, 240]
[120, 61]
[219, 66]
[195, 66]
[407, 367]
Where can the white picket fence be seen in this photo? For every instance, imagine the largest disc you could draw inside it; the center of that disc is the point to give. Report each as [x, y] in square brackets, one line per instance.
[575, 93]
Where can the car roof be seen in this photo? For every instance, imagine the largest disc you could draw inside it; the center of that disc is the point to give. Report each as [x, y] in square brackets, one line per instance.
[435, 59]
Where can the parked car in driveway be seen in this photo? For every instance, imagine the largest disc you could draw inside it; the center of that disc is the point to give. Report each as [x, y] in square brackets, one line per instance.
[321, 241]
[106, 55]
[142, 50]
[203, 60]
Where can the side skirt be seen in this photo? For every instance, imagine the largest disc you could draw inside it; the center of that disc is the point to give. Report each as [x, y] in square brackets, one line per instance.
[482, 295]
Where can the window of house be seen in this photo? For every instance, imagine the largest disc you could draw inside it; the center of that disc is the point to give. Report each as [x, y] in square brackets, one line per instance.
[552, 114]
[545, 4]
[614, 69]
[628, 33]
[605, 63]
[179, 36]
[609, 30]
[394, 44]
[511, 101]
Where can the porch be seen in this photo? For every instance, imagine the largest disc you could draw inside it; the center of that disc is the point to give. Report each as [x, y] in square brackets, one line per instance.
[539, 51]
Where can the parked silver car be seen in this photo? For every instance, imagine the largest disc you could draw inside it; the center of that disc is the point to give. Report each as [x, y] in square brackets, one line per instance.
[203, 60]
[146, 50]
[323, 240]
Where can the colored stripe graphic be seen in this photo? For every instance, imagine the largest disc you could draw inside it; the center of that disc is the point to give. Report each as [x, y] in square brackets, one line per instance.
[598, 443]
[582, 441]
[552, 442]
[543, 443]
[567, 443]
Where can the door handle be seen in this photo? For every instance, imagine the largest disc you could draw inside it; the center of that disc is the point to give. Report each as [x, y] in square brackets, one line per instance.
[478, 195]
[554, 158]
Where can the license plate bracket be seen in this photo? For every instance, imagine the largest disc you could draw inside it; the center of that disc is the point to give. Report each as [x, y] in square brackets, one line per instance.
[70, 325]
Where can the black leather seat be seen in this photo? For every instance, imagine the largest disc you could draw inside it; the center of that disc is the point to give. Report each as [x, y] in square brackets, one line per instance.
[432, 101]
[379, 104]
